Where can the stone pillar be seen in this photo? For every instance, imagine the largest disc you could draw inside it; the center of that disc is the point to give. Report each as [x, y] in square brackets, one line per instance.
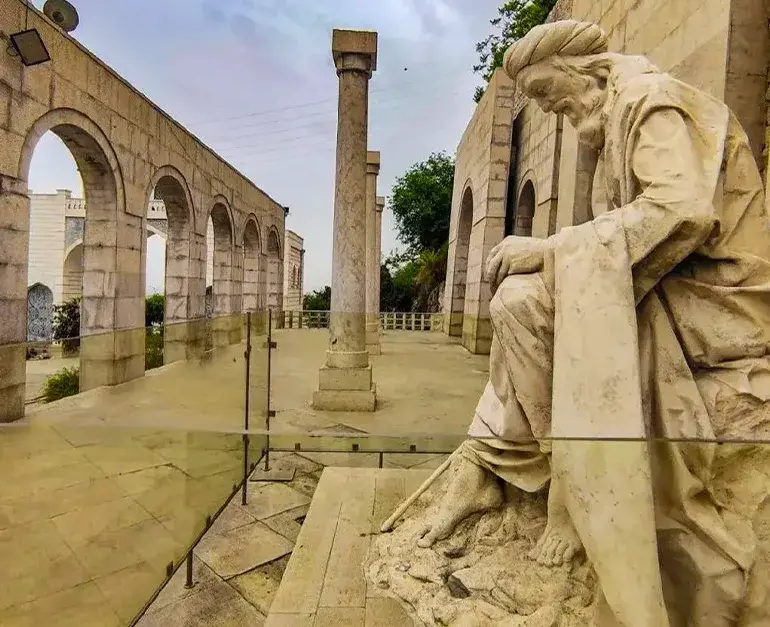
[14, 229]
[372, 258]
[345, 382]
[379, 205]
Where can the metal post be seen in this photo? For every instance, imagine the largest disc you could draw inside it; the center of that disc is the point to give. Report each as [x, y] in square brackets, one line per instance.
[189, 583]
[247, 355]
[269, 385]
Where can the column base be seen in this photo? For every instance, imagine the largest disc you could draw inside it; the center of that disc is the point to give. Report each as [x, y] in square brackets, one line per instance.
[373, 338]
[345, 389]
[345, 400]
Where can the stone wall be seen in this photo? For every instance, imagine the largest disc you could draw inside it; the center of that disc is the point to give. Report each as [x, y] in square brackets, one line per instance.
[124, 147]
[293, 271]
[481, 178]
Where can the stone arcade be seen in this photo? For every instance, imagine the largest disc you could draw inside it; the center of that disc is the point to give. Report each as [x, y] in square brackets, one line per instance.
[124, 147]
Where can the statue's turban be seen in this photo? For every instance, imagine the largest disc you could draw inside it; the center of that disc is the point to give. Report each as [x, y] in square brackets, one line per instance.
[565, 38]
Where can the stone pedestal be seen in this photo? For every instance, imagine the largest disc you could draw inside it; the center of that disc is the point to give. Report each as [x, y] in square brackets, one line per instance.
[355, 57]
[372, 254]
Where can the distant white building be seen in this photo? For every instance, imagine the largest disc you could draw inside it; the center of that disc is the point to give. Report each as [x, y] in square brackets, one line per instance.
[56, 257]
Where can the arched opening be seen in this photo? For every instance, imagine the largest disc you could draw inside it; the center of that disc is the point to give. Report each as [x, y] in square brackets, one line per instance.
[459, 276]
[274, 270]
[94, 220]
[294, 278]
[251, 255]
[167, 267]
[72, 273]
[525, 210]
[221, 275]
[39, 313]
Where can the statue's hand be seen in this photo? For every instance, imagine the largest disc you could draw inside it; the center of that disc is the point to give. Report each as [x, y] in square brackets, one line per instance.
[515, 255]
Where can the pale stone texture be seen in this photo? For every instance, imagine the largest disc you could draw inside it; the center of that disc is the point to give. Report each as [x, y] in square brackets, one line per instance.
[355, 56]
[293, 276]
[119, 141]
[705, 43]
[372, 255]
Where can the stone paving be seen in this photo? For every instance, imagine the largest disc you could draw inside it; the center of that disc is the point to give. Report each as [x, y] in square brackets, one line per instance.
[90, 518]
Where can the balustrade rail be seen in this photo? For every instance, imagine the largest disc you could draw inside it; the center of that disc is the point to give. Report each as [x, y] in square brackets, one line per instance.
[389, 320]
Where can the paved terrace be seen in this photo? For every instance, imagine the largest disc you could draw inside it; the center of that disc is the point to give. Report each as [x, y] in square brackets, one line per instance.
[101, 491]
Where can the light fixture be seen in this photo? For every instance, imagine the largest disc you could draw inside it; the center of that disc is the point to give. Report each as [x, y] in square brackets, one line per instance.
[30, 47]
[285, 211]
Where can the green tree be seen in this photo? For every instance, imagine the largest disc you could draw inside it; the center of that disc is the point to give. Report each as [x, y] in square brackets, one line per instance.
[154, 306]
[421, 201]
[514, 20]
[319, 300]
[66, 325]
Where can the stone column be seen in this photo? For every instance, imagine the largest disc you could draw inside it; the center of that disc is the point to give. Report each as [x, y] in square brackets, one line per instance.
[379, 205]
[345, 382]
[372, 259]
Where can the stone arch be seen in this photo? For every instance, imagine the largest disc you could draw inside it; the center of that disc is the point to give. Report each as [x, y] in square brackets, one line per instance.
[274, 269]
[525, 209]
[460, 273]
[39, 313]
[104, 192]
[222, 288]
[72, 272]
[252, 249]
[169, 185]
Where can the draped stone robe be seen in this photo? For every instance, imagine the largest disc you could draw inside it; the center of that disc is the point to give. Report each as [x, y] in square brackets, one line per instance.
[659, 305]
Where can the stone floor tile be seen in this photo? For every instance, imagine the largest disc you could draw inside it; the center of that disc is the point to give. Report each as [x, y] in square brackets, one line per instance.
[175, 589]
[339, 617]
[153, 478]
[216, 605]
[242, 549]
[258, 587]
[269, 499]
[233, 516]
[290, 620]
[129, 589]
[49, 480]
[115, 460]
[409, 460]
[386, 612]
[345, 460]
[80, 606]
[90, 522]
[288, 523]
[289, 461]
[50, 503]
[306, 484]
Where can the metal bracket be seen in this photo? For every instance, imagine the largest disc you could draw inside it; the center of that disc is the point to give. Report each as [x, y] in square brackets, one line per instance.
[271, 413]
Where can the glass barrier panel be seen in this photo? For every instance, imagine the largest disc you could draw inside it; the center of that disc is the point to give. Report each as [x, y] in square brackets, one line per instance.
[259, 332]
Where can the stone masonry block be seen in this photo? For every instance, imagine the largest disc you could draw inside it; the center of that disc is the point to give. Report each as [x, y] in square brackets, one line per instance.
[345, 378]
[345, 400]
[11, 402]
[355, 42]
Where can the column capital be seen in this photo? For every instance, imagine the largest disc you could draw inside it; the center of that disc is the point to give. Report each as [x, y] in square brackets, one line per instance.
[379, 204]
[372, 161]
[354, 50]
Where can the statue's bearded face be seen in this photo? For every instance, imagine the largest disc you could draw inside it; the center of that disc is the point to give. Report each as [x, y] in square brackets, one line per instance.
[579, 97]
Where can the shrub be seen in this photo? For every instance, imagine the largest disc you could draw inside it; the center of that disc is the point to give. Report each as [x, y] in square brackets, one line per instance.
[66, 325]
[153, 348]
[64, 383]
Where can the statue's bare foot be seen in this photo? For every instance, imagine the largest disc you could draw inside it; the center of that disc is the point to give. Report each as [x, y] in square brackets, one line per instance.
[472, 489]
[560, 541]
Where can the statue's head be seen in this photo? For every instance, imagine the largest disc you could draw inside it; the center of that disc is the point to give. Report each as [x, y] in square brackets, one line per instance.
[564, 67]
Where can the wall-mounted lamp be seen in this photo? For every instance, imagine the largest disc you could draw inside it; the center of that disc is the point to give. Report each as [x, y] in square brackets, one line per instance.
[29, 46]
[285, 211]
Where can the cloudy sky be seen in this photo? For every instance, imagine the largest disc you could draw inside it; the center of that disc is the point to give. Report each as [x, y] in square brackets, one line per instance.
[254, 79]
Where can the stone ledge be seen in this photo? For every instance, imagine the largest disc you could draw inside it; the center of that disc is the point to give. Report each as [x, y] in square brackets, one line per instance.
[345, 400]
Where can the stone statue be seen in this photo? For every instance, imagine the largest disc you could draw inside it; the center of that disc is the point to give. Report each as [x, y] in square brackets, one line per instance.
[650, 325]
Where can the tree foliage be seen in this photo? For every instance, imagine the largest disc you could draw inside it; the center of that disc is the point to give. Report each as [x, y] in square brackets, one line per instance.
[154, 307]
[66, 325]
[421, 201]
[318, 300]
[514, 20]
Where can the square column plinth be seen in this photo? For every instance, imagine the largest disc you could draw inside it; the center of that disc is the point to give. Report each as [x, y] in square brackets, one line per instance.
[345, 389]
